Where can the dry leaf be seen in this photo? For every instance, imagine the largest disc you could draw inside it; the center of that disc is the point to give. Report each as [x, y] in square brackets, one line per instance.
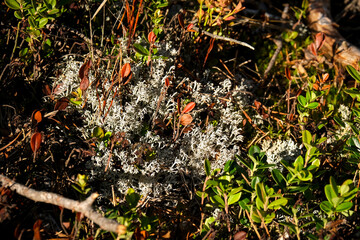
[185, 119]
[319, 40]
[61, 104]
[313, 49]
[241, 235]
[190, 106]
[84, 69]
[84, 84]
[35, 141]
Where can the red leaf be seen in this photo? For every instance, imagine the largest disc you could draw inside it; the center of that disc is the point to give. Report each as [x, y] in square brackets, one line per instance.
[190, 106]
[181, 20]
[319, 40]
[61, 104]
[167, 82]
[312, 49]
[36, 116]
[209, 49]
[189, 27]
[241, 235]
[36, 229]
[239, 7]
[84, 69]
[288, 73]
[125, 70]
[188, 128]
[151, 37]
[185, 119]
[46, 90]
[229, 18]
[35, 141]
[257, 104]
[84, 84]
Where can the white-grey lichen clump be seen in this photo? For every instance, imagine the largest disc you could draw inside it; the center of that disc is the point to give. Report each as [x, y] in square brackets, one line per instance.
[161, 174]
[280, 150]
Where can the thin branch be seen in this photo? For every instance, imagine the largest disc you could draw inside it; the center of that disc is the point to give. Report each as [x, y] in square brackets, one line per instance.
[223, 38]
[56, 199]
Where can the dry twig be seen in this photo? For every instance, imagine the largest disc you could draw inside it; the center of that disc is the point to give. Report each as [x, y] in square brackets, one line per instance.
[56, 199]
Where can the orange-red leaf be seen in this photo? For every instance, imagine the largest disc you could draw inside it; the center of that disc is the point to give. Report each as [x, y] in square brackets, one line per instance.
[190, 106]
[37, 116]
[288, 73]
[257, 104]
[167, 82]
[185, 119]
[325, 77]
[35, 141]
[125, 70]
[151, 37]
[61, 104]
[313, 49]
[319, 40]
[181, 20]
[189, 27]
[36, 229]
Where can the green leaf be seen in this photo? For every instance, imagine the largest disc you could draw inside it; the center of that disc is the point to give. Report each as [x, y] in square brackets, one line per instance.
[132, 198]
[53, 11]
[326, 207]
[244, 204]
[353, 92]
[201, 194]
[13, 4]
[291, 226]
[312, 105]
[299, 163]
[334, 185]
[207, 167]
[98, 132]
[32, 22]
[345, 206]
[353, 72]
[43, 22]
[306, 137]
[336, 201]
[141, 50]
[243, 161]
[278, 203]
[260, 191]
[278, 178]
[216, 199]
[339, 121]
[225, 178]
[330, 194]
[302, 100]
[234, 198]
[18, 15]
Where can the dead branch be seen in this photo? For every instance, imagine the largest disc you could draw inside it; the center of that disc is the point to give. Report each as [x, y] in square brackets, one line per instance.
[335, 45]
[56, 199]
[223, 38]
